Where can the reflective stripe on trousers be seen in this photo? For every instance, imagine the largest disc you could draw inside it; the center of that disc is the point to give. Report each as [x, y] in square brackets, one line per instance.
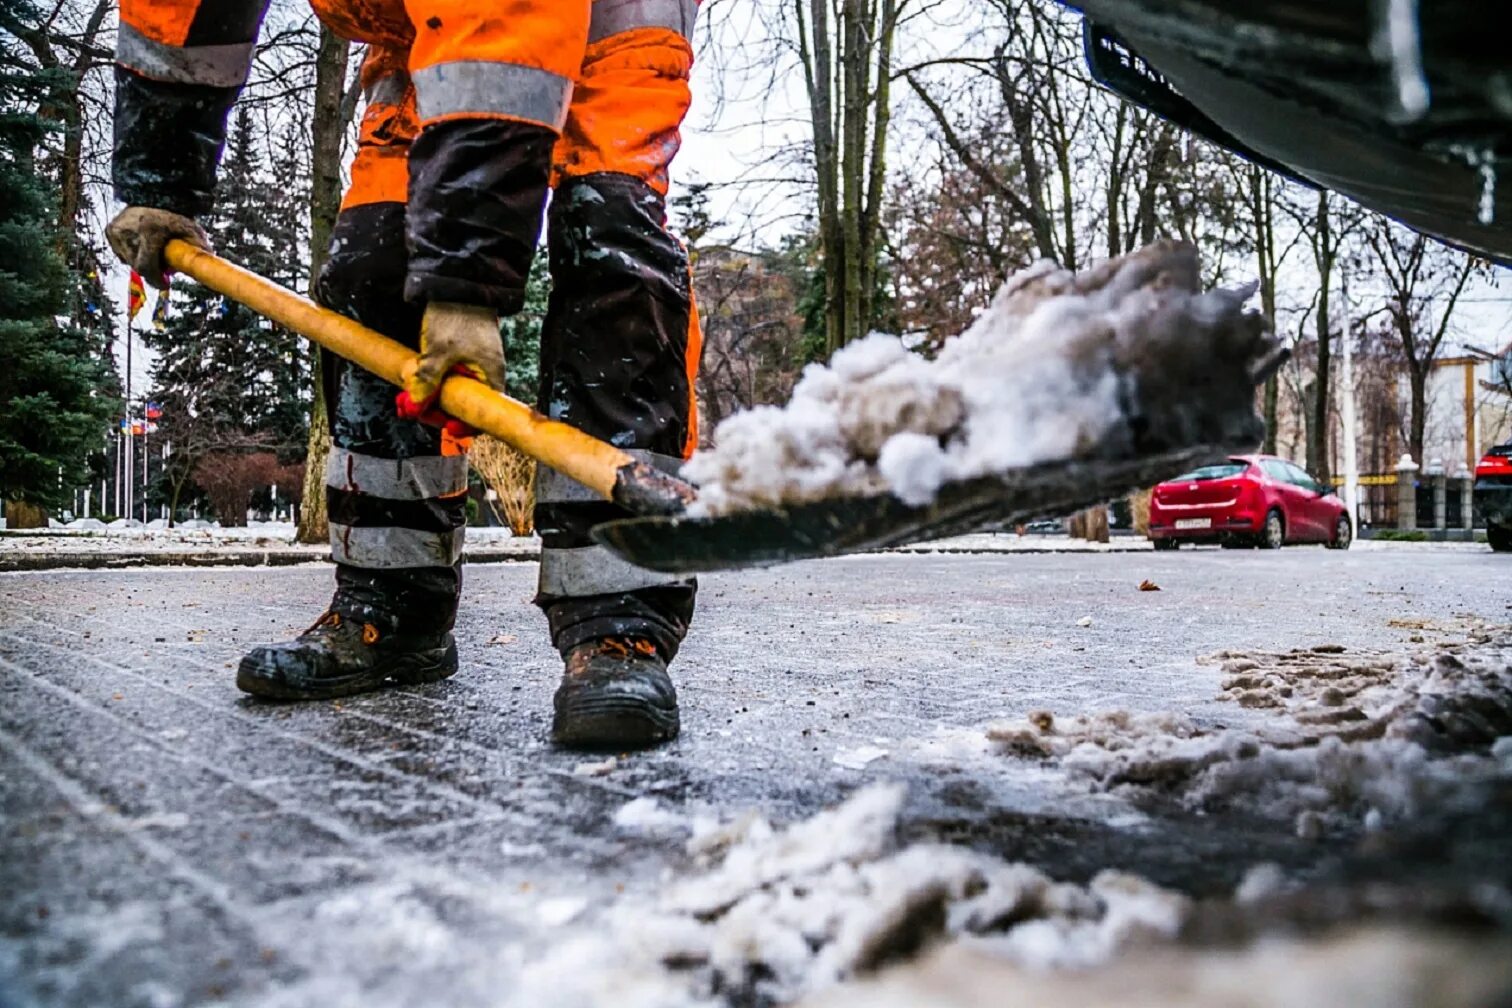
[610, 17]
[592, 570]
[551, 487]
[210, 65]
[397, 479]
[480, 88]
[393, 548]
[377, 488]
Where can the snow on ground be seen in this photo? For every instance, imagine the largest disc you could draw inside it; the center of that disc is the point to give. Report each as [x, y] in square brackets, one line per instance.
[1114, 362]
[1379, 967]
[88, 536]
[1355, 739]
[782, 915]
[775, 914]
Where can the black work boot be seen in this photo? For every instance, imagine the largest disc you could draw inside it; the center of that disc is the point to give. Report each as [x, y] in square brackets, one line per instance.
[383, 628]
[339, 656]
[615, 694]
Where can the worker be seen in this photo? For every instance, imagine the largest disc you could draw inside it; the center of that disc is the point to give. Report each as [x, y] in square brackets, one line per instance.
[474, 110]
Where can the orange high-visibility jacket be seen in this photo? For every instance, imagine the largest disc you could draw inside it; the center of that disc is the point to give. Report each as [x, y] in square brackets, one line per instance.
[468, 101]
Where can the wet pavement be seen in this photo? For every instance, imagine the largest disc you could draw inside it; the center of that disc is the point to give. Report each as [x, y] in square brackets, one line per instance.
[165, 841]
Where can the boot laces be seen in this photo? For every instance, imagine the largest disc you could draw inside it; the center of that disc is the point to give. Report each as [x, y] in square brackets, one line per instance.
[332, 621]
[626, 648]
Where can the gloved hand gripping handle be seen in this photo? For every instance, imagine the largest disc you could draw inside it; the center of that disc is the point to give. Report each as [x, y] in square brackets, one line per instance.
[596, 464]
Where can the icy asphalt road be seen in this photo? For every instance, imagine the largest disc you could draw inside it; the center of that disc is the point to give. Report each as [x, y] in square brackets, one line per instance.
[165, 841]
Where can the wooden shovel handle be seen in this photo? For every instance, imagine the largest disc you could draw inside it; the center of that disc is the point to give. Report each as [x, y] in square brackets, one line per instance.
[598, 465]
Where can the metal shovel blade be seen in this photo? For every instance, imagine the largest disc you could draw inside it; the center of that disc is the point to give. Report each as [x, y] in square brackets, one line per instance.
[856, 524]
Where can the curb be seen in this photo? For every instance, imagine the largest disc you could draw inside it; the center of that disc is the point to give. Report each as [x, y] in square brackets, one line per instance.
[24, 562]
[1012, 550]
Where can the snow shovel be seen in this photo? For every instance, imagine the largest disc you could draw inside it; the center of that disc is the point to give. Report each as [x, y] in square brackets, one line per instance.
[663, 538]
[606, 469]
[857, 524]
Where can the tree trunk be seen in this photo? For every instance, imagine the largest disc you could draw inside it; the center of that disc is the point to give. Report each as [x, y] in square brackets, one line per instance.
[1317, 432]
[327, 129]
[1417, 380]
[24, 515]
[849, 116]
[178, 489]
[1272, 413]
[1258, 189]
[1021, 119]
[871, 216]
[853, 56]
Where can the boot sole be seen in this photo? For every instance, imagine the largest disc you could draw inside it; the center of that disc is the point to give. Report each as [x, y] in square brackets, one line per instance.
[614, 724]
[412, 669]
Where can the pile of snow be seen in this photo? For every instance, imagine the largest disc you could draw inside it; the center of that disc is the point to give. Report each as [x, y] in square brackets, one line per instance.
[1354, 740]
[1383, 967]
[776, 914]
[1120, 361]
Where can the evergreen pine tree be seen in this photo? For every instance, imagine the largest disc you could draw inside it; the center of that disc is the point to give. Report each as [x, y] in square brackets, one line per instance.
[229, 380]
[55, 389]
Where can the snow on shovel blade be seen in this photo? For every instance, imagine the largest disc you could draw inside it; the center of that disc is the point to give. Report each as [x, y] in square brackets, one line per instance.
[1068, 390]
[856, 524]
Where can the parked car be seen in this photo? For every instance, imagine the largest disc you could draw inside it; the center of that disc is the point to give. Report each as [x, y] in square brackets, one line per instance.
[1250, 500]
[1493, 496]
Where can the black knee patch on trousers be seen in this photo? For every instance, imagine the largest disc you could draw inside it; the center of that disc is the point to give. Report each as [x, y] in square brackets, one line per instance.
[614, 363]
[476, 191]
[614, 349]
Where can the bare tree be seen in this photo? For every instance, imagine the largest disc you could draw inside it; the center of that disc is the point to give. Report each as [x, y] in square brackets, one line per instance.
[1259, 192]
[949, 242]
[1026, 90]
[752, 335]
[1424, 281]
[1326, 225]
[1082, 171]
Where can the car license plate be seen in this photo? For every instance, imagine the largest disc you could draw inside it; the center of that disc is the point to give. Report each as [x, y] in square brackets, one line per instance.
[1193, 523]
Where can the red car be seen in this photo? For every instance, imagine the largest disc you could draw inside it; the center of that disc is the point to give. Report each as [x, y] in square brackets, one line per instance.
[1250, 500]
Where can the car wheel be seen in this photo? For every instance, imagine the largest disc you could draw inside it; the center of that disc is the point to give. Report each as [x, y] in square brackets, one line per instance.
[1343, 534]
[1273, 533]
[1165, 544]
[1500, 538]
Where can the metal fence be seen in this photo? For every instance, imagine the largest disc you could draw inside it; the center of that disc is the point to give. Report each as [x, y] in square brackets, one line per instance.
[1378, 504]
[1424, 498]
[1381, 496]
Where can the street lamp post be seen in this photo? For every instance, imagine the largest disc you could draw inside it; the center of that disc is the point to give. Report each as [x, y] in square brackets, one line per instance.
[1351, 463]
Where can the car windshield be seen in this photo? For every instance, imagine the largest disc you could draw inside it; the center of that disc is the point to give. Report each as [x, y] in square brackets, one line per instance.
[1501, 451]
[1212, 472]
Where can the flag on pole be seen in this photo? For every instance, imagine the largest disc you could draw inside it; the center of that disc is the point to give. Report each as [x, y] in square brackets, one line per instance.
[136, 296]
[160, 312]
[154, 411]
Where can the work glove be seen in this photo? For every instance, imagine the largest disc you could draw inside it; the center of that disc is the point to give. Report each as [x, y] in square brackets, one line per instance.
[454, 339]
[139, 234]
